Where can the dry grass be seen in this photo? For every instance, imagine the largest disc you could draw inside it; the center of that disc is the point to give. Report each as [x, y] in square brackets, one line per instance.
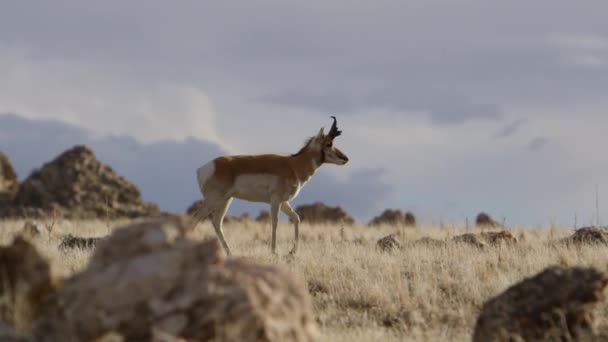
[361, 293]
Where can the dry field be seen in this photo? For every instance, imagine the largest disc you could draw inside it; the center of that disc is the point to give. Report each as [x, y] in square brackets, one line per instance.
[417, 293]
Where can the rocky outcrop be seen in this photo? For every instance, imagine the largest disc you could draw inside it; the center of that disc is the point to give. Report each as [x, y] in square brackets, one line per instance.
[319, 213]
[485, 220]
[263, 217]
[77, 185]
[554, 305]
[150, 281]
[388, 243]
[394, 218]
[470, 239]
[26, 285]
[503, 237]
[484, 239]
[588, 236]
[9, 184]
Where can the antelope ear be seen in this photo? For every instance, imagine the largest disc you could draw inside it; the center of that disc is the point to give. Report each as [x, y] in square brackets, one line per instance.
[321, 134]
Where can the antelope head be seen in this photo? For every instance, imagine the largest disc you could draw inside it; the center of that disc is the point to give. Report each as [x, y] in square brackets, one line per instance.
[325, 142]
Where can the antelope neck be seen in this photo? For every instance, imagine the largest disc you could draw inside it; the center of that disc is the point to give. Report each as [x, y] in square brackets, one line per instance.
[306, 165]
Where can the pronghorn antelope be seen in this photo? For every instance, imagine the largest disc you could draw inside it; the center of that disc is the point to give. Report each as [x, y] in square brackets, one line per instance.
[267, 178]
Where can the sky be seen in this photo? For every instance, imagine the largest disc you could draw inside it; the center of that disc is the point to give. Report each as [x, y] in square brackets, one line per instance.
[448, 107]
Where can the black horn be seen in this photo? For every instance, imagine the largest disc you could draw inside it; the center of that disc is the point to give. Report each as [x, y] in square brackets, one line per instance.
[333, 131]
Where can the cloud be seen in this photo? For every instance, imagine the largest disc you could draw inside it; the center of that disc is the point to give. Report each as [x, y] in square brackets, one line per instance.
[102, 101]
[439, 109]
[511, 128]
[537, 143]
[578, 40]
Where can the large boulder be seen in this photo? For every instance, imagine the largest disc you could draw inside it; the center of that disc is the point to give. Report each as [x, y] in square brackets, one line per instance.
[588, 236]
[9, 183]
[149, 280]
[485, 220]
[319, 213]
[263, 217]
[26, 284]
[77, 185]
[503, 237]
[496, 238]
[394, 218]
[554, 305]
[388, 243]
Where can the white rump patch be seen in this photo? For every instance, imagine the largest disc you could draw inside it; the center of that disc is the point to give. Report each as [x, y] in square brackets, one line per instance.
[205, 172]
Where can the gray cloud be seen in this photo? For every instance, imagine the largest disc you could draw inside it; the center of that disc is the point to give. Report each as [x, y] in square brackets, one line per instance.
[440, 109]
[537, 143]
[511, 128]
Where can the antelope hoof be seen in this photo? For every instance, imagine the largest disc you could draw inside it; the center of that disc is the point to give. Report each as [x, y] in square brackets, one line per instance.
[294, 251]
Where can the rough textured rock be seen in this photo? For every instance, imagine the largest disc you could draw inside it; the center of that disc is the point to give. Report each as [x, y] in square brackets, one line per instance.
[554, 305]
[8, 334]
[77, 185]
[30, 230]
[70, 242]
[388, 243]
[470, 239]
[588, 235]
[149, 280]
[194, 208]
[26, 284]
[319, 213]
[395, 218]
[9, 183]
[485, 220]
[429, 242]
[263, 217]
[503, 237]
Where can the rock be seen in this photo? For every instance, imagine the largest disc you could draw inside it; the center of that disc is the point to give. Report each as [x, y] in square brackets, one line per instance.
[470, 239]
[76, 185]
[394, 218]
[149, 280]
[263, 217]
[388, 243]
[498, 238]
[26, 284]
[485, 220]
[243, 218]
[589, 236]
[8, 334]
[9, 183]
[70, 242]
[30, 230]
[319, 213]
[554, 305]
[194, 208]
[429, 242]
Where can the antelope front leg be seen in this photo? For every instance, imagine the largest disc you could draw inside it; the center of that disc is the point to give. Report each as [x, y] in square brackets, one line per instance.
[274, 216]
[288, 210]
